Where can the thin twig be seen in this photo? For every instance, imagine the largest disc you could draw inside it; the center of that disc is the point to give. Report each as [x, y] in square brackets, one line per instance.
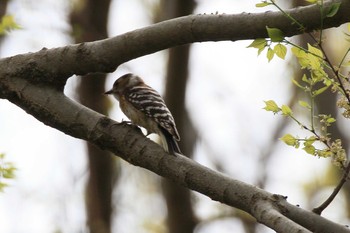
[325, 204]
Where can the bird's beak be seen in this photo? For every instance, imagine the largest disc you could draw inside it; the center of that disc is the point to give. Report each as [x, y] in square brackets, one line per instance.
[109, 92]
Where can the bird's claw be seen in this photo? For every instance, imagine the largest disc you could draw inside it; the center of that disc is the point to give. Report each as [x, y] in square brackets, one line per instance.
[125, 122]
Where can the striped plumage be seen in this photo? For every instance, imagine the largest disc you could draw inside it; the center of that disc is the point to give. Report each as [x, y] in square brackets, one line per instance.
[145, 107]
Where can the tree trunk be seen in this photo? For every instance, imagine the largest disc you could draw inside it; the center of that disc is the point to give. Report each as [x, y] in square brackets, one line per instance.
[91, 22]
[181, 217]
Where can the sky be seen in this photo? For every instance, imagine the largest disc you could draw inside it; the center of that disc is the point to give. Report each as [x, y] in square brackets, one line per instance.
[226, 91]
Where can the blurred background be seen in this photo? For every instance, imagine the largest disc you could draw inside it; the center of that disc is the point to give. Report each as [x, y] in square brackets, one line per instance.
[215, 92]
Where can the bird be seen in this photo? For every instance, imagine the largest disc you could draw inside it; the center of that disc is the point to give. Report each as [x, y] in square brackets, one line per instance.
[146, 108]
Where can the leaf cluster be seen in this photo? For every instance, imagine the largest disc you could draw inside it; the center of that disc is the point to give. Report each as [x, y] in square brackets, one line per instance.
[314, 82]
[329, 148]
[279, 49]
[7, 171]
[7, 24]
[312, 60]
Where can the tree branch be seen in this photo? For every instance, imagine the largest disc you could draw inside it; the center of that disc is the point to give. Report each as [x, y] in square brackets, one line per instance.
[131, 145]
[35, 82]
[55, 66]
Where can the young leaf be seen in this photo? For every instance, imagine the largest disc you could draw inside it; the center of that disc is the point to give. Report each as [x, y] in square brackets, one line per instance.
[2, 186]
[275, 34]
[260, 50]
[320, 91]
[270, 54]
[328, 82]
[258, 43]
[9, 172]
[286, 111]
[8, 23]
[309, 141]
[297, 52]
[298, 84]
[290, 140]
[324, 153]
[305, 79]
[271, 106]
[304, 104]
[331, 120]
[310, 149]
[314, 50]
[262, 4]
[333, 9]
[280, 50]
[302, 56]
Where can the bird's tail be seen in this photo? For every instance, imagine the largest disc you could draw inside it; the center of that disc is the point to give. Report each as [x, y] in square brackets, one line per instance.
[169, 143]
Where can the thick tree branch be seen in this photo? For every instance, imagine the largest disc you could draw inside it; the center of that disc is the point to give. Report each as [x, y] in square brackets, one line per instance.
[55, 66]
[131, 145]
[35, 82]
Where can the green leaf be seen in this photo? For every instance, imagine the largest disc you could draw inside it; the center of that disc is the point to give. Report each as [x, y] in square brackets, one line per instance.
[262, 4]
[328, 82]
[260, 50]
[310, 150]
[2, 186]
[258, 43]
[8, 23]
[301, 55]
[304, 104]
[286, 111]
[280, 50]
[296, 51]
[305, 79]
[309, 141]
[271, 106]
[333, 9]
[314, 50]
[312, 1]
[324, 153]
[331, 120]
[270, 54]
[298, 84]
[275, 34]
[9, 173]
[320, 91]
[290, 140]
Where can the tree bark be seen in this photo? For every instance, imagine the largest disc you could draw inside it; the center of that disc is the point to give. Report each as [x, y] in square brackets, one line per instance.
[181, 217]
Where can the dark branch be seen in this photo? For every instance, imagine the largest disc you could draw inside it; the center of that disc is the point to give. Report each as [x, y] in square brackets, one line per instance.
[35, 82]
[131, 145]
[55, 66]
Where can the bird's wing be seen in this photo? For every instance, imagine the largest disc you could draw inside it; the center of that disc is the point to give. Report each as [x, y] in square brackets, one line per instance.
[148, 101]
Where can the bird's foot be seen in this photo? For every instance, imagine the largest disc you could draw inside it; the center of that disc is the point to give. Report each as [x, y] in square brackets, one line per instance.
[123, 122]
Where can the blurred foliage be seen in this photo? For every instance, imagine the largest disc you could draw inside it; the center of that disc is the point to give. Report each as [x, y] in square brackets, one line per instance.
[7, 24]
[7, 171]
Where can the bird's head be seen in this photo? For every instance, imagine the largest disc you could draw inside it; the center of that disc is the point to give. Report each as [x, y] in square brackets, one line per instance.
[124, 82]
